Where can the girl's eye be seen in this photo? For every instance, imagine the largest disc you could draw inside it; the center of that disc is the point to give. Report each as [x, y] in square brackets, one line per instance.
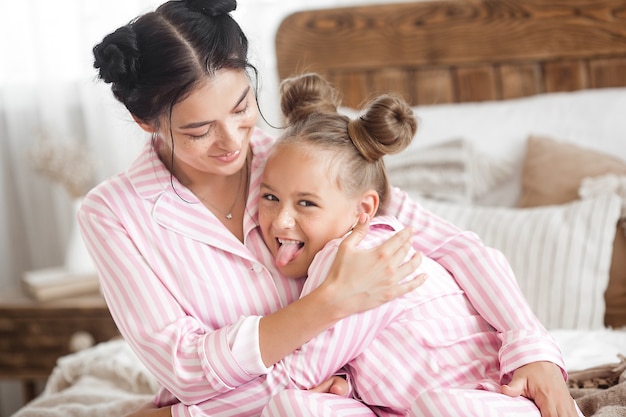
[306, 203]
[269, 197]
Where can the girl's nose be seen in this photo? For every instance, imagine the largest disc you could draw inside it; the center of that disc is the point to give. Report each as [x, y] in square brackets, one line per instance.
[285, 219]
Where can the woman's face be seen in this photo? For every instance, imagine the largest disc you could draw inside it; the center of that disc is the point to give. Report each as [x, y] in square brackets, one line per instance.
[211, 128]
[301, 207]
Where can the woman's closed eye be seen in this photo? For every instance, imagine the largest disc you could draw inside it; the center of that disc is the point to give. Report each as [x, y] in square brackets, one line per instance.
[243, 109]
[200, 135]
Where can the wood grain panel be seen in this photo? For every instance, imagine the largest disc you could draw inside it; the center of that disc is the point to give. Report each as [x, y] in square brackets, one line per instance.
[433, 86]
[519, 80]
[607, 73]
[532, 46]
[353, 85]
[392, 80]
[565, 76]
[477, 83]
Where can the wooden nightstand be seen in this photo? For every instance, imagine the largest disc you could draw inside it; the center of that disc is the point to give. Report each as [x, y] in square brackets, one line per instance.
[33, 334]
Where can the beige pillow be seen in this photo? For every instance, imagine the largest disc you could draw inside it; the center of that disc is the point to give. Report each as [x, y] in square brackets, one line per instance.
[552, 172]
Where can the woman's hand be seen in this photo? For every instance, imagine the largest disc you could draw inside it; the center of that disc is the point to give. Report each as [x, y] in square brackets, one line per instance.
[366, 279]
[151, 410]
[543, 383]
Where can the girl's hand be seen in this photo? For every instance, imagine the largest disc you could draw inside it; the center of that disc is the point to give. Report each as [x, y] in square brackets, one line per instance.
[543, 383]
[366, 279]
[334, 385]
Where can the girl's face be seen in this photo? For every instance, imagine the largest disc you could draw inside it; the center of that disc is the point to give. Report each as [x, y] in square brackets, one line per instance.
[301, 206]
[211, 128]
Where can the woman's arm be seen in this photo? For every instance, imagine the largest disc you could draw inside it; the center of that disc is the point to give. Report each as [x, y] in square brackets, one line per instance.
[486, 277]
[530, 359]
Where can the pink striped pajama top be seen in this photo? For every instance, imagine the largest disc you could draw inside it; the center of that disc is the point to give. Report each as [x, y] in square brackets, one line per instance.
[430, 339]
[187, 295]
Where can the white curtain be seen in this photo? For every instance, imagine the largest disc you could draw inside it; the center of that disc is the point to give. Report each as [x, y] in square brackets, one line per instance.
[48, 89]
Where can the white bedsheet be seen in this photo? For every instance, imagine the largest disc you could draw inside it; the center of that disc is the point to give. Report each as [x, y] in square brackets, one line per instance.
[589, 348]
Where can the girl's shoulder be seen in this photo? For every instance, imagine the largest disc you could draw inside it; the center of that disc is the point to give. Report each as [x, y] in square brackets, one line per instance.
[385, 224]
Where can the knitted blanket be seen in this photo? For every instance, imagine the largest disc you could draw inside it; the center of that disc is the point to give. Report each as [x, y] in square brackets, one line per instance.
[600, 391]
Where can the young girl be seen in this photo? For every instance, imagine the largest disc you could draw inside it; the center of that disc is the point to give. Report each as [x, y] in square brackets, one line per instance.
[429, 352]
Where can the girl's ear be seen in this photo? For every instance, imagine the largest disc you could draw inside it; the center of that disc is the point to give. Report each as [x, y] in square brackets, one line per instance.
[145, 126]
[369, 203]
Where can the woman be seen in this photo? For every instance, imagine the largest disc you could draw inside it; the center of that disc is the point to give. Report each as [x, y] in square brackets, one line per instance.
[176, 243]
[197, 305]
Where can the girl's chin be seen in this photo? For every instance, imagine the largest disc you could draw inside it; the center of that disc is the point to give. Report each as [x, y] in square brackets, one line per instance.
[290, 271]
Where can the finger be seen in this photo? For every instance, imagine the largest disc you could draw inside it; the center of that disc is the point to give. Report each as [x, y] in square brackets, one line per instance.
[411, 265]
[395, 249]
[323, 387]
[334, 385]
[358, 232]
[513, 389]
[339, 386]
[409, 285]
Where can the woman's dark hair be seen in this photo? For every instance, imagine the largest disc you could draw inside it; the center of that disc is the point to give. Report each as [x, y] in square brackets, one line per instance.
[357, 146]
[154, 61]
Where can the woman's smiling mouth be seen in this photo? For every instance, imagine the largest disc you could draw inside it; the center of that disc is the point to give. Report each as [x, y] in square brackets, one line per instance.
[228, 157]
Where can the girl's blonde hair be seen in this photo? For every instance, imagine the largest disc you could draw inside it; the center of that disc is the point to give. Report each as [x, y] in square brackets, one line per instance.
[356, 146]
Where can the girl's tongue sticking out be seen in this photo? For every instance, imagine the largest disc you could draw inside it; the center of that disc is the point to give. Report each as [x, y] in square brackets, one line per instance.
[287, 251]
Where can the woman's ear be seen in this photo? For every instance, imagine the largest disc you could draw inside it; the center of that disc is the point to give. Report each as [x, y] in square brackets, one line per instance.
[145, 126]
[369, 203]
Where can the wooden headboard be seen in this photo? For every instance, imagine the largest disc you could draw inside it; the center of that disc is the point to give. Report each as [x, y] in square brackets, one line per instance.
[442, 51]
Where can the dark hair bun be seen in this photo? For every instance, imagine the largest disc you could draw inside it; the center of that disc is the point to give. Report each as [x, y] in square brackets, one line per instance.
[117, 57]
[306, 94]
[211, 8]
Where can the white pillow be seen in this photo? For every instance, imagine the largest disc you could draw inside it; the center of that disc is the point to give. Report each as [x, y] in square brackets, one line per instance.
[560, 254]
[453, 171]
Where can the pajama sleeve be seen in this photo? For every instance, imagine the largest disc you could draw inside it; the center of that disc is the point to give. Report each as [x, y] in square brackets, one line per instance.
[488, 281]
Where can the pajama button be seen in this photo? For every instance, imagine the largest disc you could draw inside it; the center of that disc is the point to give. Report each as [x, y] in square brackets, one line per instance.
[257, 268]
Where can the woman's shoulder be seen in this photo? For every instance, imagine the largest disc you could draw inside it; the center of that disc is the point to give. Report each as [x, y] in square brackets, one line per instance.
[146, 176]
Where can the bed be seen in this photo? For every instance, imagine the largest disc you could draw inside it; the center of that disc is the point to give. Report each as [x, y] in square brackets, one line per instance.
[522, 138]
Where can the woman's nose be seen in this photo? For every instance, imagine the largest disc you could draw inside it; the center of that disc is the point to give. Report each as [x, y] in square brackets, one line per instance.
[230, 136]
